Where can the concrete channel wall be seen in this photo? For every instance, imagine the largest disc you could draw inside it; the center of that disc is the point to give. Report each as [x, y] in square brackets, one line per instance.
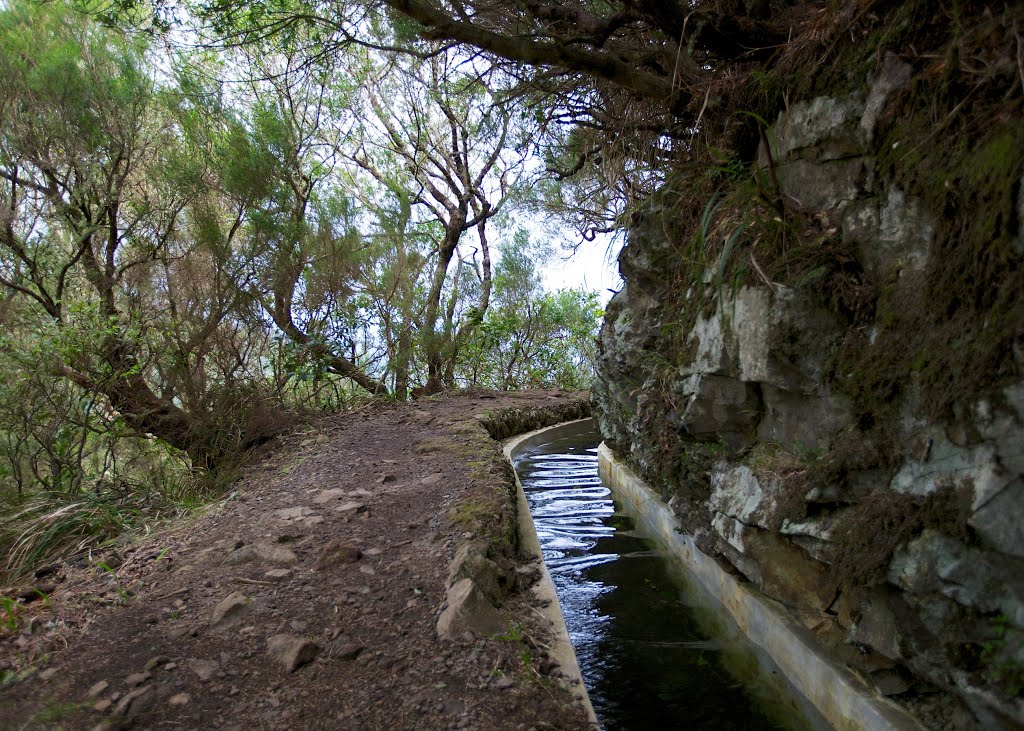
[561, 650]
[845, 701]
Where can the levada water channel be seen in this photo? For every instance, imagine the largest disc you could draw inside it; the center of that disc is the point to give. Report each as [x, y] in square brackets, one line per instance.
[655, 651]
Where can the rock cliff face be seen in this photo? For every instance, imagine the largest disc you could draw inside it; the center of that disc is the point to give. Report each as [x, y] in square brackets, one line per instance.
[823, 433]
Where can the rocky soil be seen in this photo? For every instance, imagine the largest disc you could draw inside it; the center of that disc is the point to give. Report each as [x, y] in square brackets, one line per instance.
[313, 595]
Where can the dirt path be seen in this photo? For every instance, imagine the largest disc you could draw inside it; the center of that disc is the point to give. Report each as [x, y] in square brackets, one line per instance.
[311, 598]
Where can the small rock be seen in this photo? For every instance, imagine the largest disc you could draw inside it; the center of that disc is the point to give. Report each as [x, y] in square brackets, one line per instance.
[432, 479]
[205, 669]
[177, 633]
[889, 682]
[136, 679]
[366, 569]
[135, 703]
[34, 593]
[298, 625]
[45, 571]
[348, 651]
[102, 705]
[385, 479]
[265, 552]
[154, 661]
[278, 574]
[336, 552]
[351, 507]
[327, 496]
[230, 611]
[295, 513]
[292, 652]
[180, 699]
[97, 688]
[503, 682]
[48, 673]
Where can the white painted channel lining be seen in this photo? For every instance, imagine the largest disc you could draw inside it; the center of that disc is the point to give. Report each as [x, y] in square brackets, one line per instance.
[561, 650]
[843, 700]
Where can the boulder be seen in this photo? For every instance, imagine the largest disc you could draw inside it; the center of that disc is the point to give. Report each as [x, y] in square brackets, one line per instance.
[877, 622]
[777, 567]
[904, 238]
[780, 339]
[893, 75]
[468, 609]
[737, 493]
[820, 127]
[826, 186]
[798, 420]
[708, 343]
[716, 407]
[1001, 424]
[1000, 521]
[987, 582]
[471, 562]
[936, 463]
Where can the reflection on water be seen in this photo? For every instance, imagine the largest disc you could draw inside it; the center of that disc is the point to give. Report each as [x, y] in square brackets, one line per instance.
[654, 653]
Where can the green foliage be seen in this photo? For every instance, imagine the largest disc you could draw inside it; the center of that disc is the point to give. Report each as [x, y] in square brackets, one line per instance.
[531, 338]
[47, 527]
[9, 619]
[57, 711]
[1000, 658]
[189, 264]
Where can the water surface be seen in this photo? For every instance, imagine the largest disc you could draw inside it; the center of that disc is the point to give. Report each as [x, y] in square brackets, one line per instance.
[655, 651]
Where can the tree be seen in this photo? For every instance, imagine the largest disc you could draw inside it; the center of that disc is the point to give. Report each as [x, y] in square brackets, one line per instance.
[443, 135]
[625, 83]
[532, 338]
[104, 186]
[300, 243]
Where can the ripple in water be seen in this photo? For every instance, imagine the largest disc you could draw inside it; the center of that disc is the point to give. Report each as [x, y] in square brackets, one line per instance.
[642, 641]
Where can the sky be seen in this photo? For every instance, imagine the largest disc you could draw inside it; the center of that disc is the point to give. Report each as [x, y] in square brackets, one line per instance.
[588, 267]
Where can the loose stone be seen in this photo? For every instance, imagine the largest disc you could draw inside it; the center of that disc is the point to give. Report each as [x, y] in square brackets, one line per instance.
[292, 652]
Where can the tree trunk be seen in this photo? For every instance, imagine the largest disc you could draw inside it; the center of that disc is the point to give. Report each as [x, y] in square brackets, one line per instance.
[434, 341]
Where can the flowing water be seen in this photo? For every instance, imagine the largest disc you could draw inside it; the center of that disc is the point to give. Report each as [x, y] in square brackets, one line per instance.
[655, 651]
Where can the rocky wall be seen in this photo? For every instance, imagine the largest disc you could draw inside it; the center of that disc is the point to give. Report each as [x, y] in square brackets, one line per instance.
[895, 532]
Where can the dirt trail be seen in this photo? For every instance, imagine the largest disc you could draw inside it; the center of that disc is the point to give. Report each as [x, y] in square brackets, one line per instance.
[311, 597]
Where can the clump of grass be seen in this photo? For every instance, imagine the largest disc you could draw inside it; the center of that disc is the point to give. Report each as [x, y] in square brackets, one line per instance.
[49, 527]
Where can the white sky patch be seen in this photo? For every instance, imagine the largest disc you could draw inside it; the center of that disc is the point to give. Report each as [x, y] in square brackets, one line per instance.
[593, 266]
